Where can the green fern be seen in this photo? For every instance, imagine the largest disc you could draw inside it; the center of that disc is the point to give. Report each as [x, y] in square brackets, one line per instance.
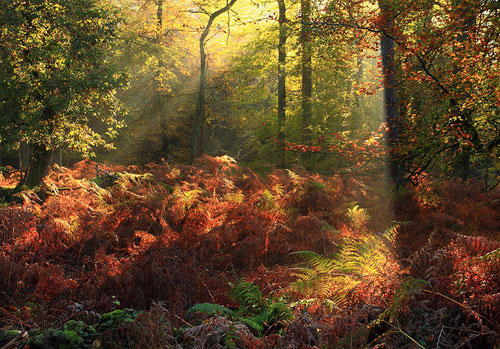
[333, 277]
[248, 296]
[257, 312]
[319, 263]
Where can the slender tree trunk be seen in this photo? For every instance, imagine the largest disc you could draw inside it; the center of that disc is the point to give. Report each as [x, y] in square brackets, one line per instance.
[390, 89]
[282, 81]
[161, 98]
[359, 77]
[197, 147]
[356, 121]
[467, 20]
[199, 117]
[305, 37]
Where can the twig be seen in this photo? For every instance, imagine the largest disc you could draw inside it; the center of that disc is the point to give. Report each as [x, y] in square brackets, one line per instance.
[5, 311]
[475, 313]
[187, 323]
[439, 338]
[12, 341]
[398, 329]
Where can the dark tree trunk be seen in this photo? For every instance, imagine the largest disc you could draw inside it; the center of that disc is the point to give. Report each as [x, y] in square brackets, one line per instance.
[38, 164]
[24, 155]
[467, 20]
[305, 38]
[56, 157]
[199, 117]
[282, 81]
[390, 89]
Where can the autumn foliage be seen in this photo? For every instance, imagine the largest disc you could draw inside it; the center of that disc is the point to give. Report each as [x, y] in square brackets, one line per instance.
[162, 238]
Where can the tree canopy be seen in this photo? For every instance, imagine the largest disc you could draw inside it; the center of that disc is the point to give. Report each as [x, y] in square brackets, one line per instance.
[435, 63]
[57, 75]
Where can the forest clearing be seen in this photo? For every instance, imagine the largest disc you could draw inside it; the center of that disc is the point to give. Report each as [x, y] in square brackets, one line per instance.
[249, 174]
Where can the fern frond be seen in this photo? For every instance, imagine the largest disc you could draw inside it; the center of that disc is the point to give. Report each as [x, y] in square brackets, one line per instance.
[336, 301]
[237, 197]
[305, 273]
[188, 198]
[255, 323]
[320, 263]
[295, 177]
[408, 289]
[125, 178]
[247, 295]
[279, 189]
[211, 309]
[491, 256]
[338, 274]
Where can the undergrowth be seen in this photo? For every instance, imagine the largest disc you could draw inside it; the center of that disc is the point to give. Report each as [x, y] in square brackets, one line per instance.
[161, 238]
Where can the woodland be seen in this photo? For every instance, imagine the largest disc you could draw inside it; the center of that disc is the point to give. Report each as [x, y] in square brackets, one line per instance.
[249, 174]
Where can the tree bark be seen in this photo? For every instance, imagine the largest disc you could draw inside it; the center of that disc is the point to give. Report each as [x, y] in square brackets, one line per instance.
[282, 81]
[38, 164]
[24, 156]
[356, 120]
[305, 37]
[359, 77]
[391, 112]
[56, 157]
[161, 100]
[467, 20]
[199, 117]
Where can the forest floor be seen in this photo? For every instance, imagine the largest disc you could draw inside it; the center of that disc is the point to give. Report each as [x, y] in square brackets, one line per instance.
[115, 256]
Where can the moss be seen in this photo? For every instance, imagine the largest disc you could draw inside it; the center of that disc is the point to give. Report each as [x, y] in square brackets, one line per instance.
[116, 318]
[73, 334]
[77, 334]
[55, 339]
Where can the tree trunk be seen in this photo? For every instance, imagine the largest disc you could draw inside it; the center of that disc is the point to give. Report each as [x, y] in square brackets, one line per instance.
[39, 161]
[359, 77]
[305, 38]
[197, 147]
[390, 89]
[356, 120]
[282, 81]
[199, 117]
[56, 157]
[161, 100]
[24, 155]
[467, 20]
